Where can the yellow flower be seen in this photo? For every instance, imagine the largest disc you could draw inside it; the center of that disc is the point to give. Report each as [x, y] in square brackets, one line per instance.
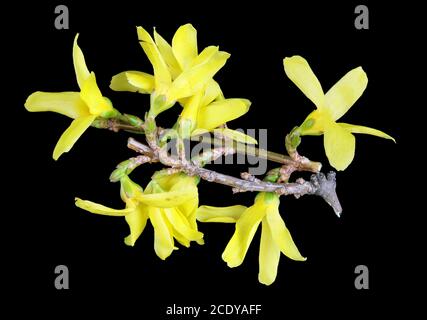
[83, 106]
[275, 237]
[338, 138]
[169, 202]
[179, 70]
[204, 112]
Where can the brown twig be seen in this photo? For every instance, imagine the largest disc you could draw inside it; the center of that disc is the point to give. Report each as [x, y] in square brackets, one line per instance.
[318, 184]
[115, 125]
[302, 164]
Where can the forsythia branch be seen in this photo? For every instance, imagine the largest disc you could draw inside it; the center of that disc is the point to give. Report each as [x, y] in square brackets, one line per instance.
[170, 200]
[319, 184]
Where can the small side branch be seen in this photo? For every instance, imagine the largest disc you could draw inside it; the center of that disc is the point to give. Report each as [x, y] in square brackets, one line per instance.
[133, 124]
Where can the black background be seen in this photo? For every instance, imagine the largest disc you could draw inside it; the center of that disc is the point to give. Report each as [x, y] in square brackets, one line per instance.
[45, 229]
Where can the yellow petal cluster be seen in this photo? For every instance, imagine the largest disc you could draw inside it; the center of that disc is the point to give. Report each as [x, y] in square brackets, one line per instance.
[339, 141]
[168, 201]
[183, 74]
[179, 70]
[275, 236]
[84, 106]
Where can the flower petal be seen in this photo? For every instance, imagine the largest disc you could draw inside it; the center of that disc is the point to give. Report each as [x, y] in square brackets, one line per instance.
[165, 199]
[298, 70]
[168, 181]
[129, 189]
[366, 130]
[269, 256]
[82, 72]
[345, 92]
[186, 200]
[236, 135]
[204, 56]
[72, 134]
[101, 209]
[246, 227]
[281, 235]
[67, 103]
[316, 122]
[188, 209]
[178, 194]
[137, 220]
[161, 71]
[166, 51]
[212, 92]
[93, 98]
[220, 112]
[180, 238]
[220, 214]
[199, 134]
[133, 81]
[181, 225]
[191, 108]
[185, 184]
[340, 146]
[195, 78]
[184, 45]
[163, 240]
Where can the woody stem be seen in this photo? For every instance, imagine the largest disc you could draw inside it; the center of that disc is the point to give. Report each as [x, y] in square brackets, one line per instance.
[319, 184]
[116, 124]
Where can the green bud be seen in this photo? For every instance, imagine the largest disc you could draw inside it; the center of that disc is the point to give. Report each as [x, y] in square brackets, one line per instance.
[116, 175]
[99, 123]
[272, 175]
[120, 171]
[150, 124]
[123, 164]
[113, 113]
[295, 131]
[295, 140]
[134, 120]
